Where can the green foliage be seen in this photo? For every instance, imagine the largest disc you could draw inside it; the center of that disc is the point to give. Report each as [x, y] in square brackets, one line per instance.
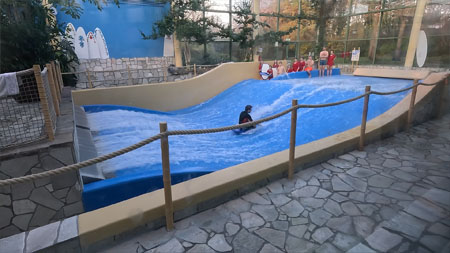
[29, 35]
[72, 8]
[186, 19]
[246, 23]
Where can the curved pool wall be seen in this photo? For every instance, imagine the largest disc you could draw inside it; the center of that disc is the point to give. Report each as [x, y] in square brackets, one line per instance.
[208, 191]
[134, 177]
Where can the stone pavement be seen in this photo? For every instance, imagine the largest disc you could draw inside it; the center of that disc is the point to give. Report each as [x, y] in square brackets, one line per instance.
[393, 197]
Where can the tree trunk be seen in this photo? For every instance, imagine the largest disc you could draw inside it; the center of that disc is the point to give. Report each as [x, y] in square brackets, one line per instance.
[398, 49]
[373, 41]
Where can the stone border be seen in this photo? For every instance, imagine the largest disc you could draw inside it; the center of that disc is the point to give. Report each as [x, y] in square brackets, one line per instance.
[124, 216]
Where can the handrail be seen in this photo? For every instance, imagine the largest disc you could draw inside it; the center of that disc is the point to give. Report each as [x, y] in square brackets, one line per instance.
[185, 132]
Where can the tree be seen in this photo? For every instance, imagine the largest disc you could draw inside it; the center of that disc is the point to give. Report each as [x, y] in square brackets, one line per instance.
[187, 19]
[242, 33]
[30, 34]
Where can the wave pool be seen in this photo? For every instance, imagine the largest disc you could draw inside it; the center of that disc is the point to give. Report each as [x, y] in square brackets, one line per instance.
[115, 127]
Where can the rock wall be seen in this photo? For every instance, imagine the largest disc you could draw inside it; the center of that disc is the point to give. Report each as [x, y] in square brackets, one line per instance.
[125, 71]
[25, 206]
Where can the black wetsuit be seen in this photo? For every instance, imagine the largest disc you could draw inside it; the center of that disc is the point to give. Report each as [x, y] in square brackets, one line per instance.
[244, 117]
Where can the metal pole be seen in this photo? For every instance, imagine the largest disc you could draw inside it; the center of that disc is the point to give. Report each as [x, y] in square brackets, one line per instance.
[195, 70]
[166, 176]
[292, 139]
[89, 79]
[364, 119]
[411, 105]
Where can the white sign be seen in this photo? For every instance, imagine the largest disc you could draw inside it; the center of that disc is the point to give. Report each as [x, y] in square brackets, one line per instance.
[422, 49]
[355, 55]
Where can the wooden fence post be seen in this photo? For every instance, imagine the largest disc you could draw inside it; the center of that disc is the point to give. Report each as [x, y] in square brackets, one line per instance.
[55, 81]
[292, 139]
[411, 105]
[364, 119]
[44, 102]
[89, 79]
[166, 176]
[53, 89]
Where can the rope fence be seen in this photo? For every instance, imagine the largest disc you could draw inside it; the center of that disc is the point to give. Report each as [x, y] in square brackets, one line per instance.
[164, 134]
[31, 115]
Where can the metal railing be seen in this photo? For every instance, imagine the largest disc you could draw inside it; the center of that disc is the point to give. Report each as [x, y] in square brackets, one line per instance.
[31, 115]
[131, 76]
[164, 134]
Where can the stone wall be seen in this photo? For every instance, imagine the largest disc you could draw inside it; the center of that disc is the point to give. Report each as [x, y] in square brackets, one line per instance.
[35, 203]
[125, 71]
[347, 68]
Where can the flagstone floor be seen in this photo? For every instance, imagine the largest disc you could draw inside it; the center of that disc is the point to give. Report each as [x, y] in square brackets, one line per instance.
[392, 197]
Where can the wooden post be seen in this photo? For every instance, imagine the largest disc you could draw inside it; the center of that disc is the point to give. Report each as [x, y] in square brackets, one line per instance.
[89, 79]
[56, 81]
[195, 70]
[166, 176]
[52, 83]
[61, 82]
[411, 105]
[44, 102]
[292, 139]
[364, 120]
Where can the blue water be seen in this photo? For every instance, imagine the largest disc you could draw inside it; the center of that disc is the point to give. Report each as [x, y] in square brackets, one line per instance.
[114, 127]
[118, 127]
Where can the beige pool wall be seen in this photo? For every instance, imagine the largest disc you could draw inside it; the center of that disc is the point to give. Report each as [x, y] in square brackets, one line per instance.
[106, 223]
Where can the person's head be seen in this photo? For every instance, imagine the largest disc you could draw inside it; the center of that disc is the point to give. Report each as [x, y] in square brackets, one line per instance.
[310, 57]
[295, 60]
[331, 52]
[248, 108]
[301, 59]
[324, 49]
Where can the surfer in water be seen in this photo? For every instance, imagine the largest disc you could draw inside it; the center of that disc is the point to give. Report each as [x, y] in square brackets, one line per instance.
[245, 117]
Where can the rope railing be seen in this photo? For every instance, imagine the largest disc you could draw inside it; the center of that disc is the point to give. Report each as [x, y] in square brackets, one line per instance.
[163, 135]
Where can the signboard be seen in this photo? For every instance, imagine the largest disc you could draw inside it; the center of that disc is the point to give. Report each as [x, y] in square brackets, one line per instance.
[355, 55]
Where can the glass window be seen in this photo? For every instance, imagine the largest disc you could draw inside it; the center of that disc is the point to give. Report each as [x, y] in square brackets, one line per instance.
[364, 26]
[308, 30]
[436, 19]
[390, 4]
[361, 6]
[268, 6]
[271, 21]
[438, 55]
[340, 8]
[391, 51]
[306, 48]
[220, 5]
[335, 28]
[367, 51]
[397, 23]
[218, 51]
[285, 25]
[289, 7]
[309, 8]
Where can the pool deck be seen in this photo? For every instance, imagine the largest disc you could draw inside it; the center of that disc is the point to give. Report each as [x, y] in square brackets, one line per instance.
[394, 196]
